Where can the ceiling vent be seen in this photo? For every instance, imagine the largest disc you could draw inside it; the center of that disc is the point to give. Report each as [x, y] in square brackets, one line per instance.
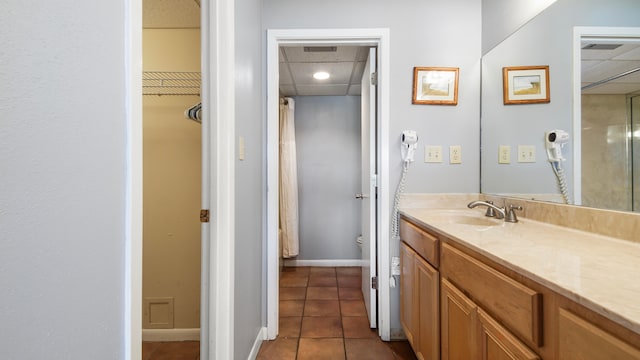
[601, 46]
[320, 48]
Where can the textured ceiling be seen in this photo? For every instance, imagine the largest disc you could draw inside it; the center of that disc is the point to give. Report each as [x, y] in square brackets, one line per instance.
[162, 14]
[599, 65]
[345, 65]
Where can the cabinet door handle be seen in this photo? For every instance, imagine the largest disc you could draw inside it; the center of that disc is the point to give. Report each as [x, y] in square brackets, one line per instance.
[361, 196]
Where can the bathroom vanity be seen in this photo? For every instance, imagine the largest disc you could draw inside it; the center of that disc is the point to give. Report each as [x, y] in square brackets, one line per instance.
[473, 287]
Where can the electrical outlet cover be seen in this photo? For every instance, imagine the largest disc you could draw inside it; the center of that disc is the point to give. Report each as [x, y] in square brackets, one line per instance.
[455, 154]
[504, 154]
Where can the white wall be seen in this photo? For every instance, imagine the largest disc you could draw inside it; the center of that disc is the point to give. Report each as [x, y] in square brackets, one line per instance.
[423, 33]
[63, 159]
[328, 157]
[545, 40]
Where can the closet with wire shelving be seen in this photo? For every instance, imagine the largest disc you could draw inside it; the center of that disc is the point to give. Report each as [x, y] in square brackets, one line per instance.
[172, 168]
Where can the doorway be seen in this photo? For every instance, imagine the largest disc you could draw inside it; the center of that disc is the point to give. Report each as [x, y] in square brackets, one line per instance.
[378, 38]
[172, 179]
[606, 88]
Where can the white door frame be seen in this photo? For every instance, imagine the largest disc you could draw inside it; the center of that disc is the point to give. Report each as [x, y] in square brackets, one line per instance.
[371, 37]
[218, 67]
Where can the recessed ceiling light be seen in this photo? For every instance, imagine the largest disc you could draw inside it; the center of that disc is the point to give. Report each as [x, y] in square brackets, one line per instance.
[321, 75]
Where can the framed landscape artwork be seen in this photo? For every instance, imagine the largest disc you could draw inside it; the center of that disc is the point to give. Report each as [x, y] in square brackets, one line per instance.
[435, 85]
[525, 85]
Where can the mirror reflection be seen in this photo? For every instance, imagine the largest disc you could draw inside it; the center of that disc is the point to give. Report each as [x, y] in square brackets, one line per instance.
[596, 162]
[610, 92]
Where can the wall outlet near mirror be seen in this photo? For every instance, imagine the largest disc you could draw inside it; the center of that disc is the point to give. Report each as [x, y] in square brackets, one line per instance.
[504, 154]
[455, 154]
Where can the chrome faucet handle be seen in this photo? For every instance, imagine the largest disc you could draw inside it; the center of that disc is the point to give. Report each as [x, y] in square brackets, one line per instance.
[490, 212]
[511, 213]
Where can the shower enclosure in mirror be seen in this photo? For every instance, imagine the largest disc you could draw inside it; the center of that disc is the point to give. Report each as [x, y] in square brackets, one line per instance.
[549, 39]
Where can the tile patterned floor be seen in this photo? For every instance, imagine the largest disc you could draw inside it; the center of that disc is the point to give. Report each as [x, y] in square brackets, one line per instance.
[322, 316]
[172, 350]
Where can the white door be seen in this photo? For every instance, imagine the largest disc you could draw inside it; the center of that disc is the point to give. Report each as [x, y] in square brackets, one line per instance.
[368, 187]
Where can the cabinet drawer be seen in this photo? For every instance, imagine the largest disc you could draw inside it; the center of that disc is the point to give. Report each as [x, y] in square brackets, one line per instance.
[517, 307]
[580, 339]
[425, 244]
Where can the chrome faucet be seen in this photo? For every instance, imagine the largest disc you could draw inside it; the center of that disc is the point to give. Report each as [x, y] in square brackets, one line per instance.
[492, 210]
[507, 213]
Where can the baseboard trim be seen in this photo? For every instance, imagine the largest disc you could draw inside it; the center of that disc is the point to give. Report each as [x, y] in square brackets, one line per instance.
[323, 263]
[171, 334]
[262, 336]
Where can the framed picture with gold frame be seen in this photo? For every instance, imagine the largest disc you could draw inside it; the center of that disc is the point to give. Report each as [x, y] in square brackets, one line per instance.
[525, 85]
[435, 85]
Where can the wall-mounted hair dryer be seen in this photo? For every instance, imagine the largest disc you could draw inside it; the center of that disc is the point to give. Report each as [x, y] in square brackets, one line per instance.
[554, 142]
[409, 145]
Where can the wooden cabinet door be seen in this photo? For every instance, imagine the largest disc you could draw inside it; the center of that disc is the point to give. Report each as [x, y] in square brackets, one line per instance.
[408, 293]
[497, 343]
[579, 339]
[459, 323]
[428, 336]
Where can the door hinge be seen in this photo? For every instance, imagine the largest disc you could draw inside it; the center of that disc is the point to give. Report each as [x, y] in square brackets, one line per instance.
[374, 78]
[374, 283]
[204, 216]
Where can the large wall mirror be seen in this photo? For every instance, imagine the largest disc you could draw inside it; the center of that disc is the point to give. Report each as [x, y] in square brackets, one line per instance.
[583, 42]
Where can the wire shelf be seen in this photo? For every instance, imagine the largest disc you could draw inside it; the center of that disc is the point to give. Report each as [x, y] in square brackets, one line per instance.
[171, 83]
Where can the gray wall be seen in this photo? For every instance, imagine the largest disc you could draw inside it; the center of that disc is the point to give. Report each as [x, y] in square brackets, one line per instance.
[423, 33]
[63, 158]
[328, 157]
[249, 187]
[500, 18]
[545, 40]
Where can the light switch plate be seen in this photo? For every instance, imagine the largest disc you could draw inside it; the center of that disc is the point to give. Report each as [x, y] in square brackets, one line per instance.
[504, 154]
[433, 154]
[526, 153]
[241, 148]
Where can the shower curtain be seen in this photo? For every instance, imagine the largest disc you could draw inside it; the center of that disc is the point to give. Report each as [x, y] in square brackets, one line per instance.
[288, 180]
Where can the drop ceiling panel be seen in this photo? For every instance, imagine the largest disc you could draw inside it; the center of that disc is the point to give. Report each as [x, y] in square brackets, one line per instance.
[342, 54]
[287, 90]
[303, 72]
[322, 90]
[594, 54]
[285, 75]
[357, 73]
[355, 90]
[613, 88]
[608, 69]
[632, 54]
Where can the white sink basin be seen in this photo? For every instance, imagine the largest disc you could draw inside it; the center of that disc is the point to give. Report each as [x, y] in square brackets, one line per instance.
[461, 217]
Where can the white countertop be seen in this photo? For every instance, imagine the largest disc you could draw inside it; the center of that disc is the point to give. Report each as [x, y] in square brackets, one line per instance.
[599, 272]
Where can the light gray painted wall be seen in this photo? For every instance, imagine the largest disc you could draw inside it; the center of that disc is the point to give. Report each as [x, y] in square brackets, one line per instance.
[63, 161]
[500, 18]
[546, 40]
[249, 185]
[423, 33]
[328, 157]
